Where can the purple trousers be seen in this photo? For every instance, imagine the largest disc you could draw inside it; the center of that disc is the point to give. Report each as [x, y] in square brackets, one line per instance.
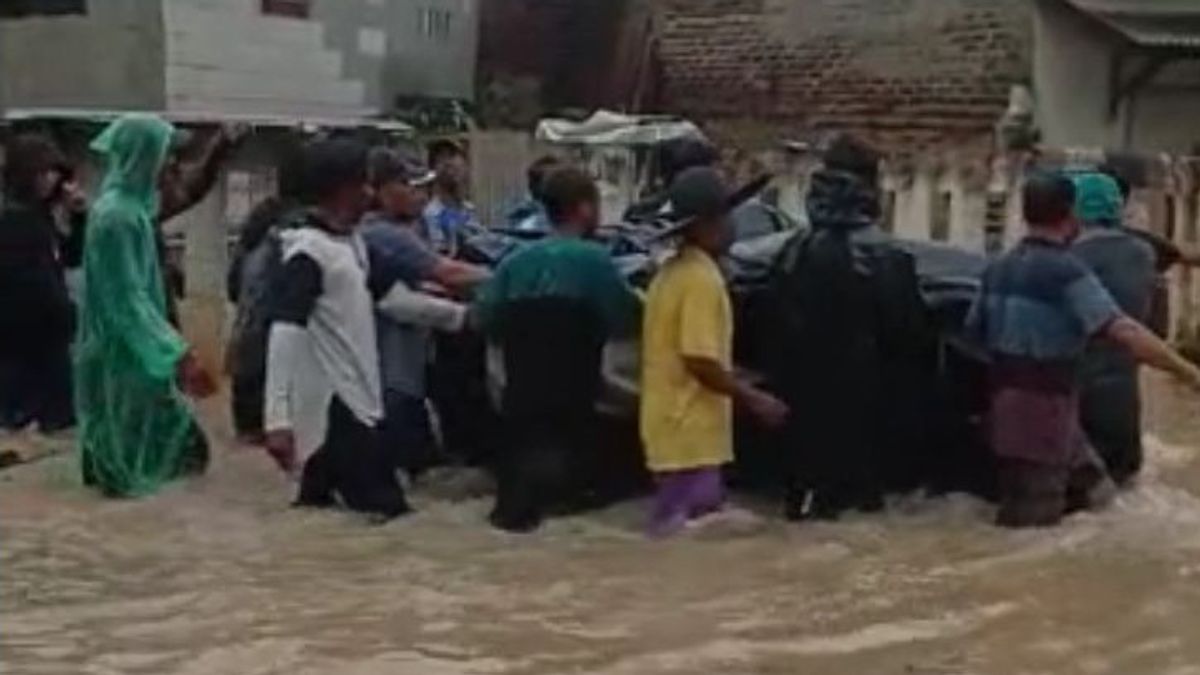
[681, 496]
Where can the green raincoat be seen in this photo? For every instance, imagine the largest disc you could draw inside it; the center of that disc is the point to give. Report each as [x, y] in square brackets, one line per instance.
[136, 431]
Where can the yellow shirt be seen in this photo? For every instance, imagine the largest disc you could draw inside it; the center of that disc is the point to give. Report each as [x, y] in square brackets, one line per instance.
[685, 425]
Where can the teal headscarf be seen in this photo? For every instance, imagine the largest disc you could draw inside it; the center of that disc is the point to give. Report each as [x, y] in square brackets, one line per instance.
[1098, 200]
[135, 148]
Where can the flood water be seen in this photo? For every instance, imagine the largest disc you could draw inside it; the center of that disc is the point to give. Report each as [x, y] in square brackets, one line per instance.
[217, 576]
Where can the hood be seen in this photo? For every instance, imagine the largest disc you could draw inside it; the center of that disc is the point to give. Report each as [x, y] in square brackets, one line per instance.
[134, 148]
[1098, 200]
[838, 200]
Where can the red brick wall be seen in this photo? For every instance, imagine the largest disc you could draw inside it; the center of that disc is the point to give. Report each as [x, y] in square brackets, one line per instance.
[910, 74]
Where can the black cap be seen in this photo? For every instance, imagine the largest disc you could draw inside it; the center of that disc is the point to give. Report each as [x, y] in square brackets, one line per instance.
[700, 193]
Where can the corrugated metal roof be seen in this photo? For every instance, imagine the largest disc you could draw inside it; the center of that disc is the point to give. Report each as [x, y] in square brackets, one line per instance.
[1151, 23]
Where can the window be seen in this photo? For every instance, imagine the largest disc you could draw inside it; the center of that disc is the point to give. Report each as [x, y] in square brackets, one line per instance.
[297, 9]
[11, 9]
[434, 23]
[939, 224]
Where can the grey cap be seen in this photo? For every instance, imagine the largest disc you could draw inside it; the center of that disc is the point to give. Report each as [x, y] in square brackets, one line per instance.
[388, 165]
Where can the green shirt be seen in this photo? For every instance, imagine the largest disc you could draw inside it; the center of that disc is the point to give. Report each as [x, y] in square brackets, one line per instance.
[563, 267]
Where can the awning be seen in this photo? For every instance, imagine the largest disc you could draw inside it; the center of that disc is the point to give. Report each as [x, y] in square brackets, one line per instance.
[605, 127]
[1149, 23]
[259, 121]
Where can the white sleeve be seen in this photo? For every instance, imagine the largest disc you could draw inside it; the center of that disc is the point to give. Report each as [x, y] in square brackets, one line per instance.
[406, 306]
[284, 353]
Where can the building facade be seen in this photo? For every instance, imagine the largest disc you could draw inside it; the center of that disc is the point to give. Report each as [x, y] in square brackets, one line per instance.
[1118, 74]
[290, 58]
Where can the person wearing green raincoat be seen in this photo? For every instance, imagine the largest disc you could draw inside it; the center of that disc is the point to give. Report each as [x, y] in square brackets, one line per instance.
[136, 430]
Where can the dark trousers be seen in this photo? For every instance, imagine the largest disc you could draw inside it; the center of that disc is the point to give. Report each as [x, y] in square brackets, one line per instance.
[247, 404]
[458, 390]
[407, 434]
[1111, 416]
[36, 387]
[1040, 495]
[545, 469]
[352, 466]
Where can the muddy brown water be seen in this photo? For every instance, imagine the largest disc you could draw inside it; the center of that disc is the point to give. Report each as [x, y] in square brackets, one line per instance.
[216, 576]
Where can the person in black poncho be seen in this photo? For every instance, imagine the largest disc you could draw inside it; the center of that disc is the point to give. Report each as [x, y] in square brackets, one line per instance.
[850, 333]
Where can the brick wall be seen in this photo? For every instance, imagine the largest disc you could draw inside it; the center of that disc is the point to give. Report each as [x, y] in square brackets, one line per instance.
[912, 75]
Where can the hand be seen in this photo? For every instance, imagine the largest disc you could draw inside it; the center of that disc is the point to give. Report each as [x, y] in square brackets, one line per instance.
[771, 411]
[281, 445]
[194, 379]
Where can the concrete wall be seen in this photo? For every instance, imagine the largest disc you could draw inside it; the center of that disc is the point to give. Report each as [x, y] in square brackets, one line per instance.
[225, 56]
[1072, 60]
[111, 58]
[350, 58]
[422, 65]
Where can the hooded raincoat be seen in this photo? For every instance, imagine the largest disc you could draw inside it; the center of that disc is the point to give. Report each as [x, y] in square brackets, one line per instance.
[849, 339]
[136, 431]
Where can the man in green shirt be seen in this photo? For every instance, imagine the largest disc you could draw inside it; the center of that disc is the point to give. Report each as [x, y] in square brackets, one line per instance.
[551, 307]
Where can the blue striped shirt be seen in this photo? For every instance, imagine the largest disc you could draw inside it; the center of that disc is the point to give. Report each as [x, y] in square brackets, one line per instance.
[1040, 302]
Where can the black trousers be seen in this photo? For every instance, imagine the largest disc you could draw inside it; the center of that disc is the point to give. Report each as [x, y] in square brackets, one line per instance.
[36, 387]
[1111, 415]
[407, 434]
[353, 467]
[546, 469]
[247, 404]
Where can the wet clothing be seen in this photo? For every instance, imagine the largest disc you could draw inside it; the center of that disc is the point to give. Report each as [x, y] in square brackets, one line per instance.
[1125, 265]
[323, 378]
[552, 348]
[446, 224]
[396, 249]
[136, 429]
[37, 322]
[551, 308]
[850, 340]
[1038, 308]
[681, 496]
[684, 424]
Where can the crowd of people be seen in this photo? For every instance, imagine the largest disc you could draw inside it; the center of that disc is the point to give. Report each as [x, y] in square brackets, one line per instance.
[355, 354]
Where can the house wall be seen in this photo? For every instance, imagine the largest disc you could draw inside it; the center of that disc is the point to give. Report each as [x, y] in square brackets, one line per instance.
[418, 64]
[1071, 63]
[908, 74]
[110, 58]
[350, 58]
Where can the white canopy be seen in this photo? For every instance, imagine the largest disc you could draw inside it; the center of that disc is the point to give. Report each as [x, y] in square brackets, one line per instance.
[605, 127]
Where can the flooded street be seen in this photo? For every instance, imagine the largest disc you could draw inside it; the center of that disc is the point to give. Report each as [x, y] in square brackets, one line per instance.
[217, 576]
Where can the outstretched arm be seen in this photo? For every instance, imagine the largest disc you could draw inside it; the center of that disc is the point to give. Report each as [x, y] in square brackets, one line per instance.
[1151, 350]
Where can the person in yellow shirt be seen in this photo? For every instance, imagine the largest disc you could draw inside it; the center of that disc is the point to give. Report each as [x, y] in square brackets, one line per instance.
[688, 383]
